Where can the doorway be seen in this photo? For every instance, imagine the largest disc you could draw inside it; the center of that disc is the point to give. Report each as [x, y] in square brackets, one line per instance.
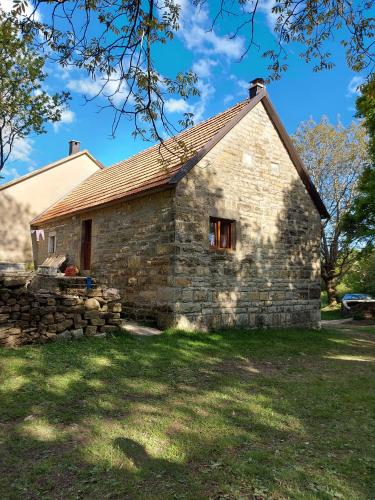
[86, 245]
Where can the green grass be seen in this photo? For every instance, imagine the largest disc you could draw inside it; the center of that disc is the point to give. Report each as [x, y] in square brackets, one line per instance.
[250, 414]
[329, 312]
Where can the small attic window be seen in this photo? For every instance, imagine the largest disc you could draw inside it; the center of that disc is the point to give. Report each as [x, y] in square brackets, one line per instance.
[275, 168]
[52, 243]
[222, 234]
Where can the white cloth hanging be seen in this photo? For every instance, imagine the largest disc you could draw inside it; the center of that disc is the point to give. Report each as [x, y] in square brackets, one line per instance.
[39, 234]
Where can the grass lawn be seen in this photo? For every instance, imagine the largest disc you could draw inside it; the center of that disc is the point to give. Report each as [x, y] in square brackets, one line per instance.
[331, 312]
[251, 414]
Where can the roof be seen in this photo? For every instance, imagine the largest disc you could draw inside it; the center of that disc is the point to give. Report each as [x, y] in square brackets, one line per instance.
[49, 167]
[146, 171]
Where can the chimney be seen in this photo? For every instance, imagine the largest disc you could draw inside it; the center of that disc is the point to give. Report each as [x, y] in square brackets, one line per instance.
[256, 86]
[73, 147]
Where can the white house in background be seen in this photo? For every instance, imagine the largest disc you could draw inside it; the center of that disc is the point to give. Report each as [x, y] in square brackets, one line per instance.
[27, 196]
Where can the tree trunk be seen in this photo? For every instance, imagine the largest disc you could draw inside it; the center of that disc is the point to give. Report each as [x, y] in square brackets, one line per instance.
[331, 291]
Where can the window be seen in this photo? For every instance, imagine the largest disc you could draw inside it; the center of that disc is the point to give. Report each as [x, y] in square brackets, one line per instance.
[221, 233]
[52, 243]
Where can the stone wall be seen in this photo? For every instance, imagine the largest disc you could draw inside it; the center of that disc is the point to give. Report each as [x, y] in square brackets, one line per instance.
[272, 278]
[29, 314]
[132, 250]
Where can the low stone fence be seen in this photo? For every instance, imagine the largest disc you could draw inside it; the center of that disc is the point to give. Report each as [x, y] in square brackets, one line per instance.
[29, 315]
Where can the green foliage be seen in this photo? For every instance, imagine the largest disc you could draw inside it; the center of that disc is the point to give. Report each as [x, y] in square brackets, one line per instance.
[335, 157]
[238, 414]
[24, 106]
[359, 223]
[361, 279]
[365, 105]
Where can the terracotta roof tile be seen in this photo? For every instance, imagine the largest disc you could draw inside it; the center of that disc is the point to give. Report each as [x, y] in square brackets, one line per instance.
[148, 169]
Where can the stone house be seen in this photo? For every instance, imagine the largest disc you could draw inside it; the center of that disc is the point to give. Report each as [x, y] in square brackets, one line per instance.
[225, 234]
[25, 197]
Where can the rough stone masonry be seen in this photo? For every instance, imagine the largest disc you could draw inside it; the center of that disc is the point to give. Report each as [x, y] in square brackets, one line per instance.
[155, 248]
[35, 315]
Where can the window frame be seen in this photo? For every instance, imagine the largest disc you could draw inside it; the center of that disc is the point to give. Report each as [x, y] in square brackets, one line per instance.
[217, 221]
[52, 237]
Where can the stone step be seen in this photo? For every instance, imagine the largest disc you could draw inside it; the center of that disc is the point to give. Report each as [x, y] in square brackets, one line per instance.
[139, 330]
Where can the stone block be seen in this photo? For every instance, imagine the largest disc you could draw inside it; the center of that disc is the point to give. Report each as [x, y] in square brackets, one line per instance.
[116, 307]
[91, 330]
[92, 314]
[108, 328]
[111, 294]
[60, 327]
[92, 304]
[48, 319]
[134, 261]
[77, 334]
[94, 292]
[4, 318]
[65, 335]
[68, 323]
[97, 321]
[115, 321]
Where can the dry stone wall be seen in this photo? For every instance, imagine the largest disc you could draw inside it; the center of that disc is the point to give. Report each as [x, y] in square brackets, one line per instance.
[31, 315]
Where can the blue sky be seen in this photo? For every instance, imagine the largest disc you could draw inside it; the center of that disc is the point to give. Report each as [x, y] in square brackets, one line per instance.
[223, 82]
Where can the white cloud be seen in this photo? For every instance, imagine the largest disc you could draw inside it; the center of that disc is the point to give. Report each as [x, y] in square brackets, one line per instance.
[228, 98]
[203, 67]
[85, 86]
[177, 106]
[207, 90]
[22, 149]
[198, 108]
[195, 30]
[243, 86]
[21, 152]
[7, 6]
[64, 72]
[67, 116]
[353, 85]
[111, 88]
[264, 6]
[9, 173]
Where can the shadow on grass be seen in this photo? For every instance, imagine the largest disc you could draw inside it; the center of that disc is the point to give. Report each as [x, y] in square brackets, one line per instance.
[191, 415]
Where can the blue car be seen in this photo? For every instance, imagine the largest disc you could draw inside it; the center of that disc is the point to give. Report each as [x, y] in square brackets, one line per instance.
[356, 296]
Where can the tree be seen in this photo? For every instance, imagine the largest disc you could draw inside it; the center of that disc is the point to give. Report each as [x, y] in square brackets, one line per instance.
[24, 106]
[361, 279]
[335, 157]
[359, 222]
[115, 41]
